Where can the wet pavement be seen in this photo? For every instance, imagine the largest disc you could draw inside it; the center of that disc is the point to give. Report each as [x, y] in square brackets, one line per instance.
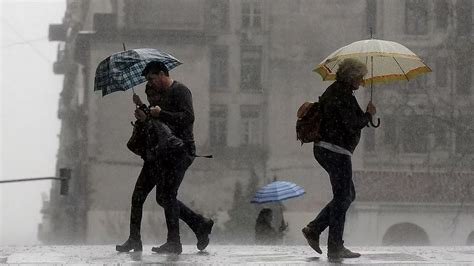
[231, 254]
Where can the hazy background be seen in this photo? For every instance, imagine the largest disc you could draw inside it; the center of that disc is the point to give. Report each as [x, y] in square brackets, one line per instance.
[29, 101]
[416, 160]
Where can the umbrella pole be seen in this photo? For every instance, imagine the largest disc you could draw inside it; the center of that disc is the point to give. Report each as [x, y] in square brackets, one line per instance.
[371, 72]
[125, 49]
[282, 217]
[372, 90]
[283, 223]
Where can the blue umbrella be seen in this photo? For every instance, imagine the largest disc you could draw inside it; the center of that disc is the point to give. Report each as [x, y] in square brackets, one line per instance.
[277, 191]
[122, 71]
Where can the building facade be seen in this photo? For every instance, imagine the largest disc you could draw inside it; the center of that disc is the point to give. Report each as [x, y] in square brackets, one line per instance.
[248, 64]
[416, 183]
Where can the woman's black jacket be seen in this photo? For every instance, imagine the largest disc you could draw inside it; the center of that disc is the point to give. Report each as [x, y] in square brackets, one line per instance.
[342, 119]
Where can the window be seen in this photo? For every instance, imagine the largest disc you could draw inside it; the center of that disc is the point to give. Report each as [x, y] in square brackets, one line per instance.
[219, 68]
[250, 68]
[371, 16]
[463, 77]
[441, 71]
[294, 6]
[417, 85]
[218, 14]
[442, 14]
[390, 132]
[464, 136]
[218, 126]
[440, 131]
[165, 15]
[250, 125]
[414, 134]
[464, 17]
[416, 17]
[251, 14]
[369, 143]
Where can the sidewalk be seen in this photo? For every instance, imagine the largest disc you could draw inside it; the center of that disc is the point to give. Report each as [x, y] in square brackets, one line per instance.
[229, 254]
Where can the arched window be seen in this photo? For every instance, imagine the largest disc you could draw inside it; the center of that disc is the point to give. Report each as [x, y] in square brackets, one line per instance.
[406, 234]
[470, 239]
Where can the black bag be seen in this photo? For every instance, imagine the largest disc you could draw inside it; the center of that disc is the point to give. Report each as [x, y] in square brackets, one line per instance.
[307, 125]
[162, 142]
[152, 139]
[137, 141]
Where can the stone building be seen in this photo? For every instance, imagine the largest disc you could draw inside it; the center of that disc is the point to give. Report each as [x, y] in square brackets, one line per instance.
[248, 64]
[416, 181]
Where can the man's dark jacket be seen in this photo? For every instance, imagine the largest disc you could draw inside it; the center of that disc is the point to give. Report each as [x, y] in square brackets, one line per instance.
[172, 130]
[177, 112]
[342, 119]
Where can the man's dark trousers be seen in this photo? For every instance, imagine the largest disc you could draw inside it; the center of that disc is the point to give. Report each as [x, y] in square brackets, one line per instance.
[339, 168]
[167, 175]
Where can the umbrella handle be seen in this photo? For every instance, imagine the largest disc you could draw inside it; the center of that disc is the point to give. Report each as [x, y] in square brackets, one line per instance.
[283, 224]
[375, 125]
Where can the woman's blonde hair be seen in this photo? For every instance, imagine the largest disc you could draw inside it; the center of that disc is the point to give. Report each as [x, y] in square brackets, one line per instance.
[350, 69]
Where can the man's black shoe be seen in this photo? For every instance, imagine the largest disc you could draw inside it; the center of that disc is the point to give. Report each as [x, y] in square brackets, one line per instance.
[168, 248]
[130, 244]
[312, 238]
[203, 233]
[342, 253]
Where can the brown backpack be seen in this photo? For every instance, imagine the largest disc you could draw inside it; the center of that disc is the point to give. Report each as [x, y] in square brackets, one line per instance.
[307, 125]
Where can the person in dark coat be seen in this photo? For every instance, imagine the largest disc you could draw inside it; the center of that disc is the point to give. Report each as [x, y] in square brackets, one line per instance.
[342, 120]
[171, 111]
[265, 234]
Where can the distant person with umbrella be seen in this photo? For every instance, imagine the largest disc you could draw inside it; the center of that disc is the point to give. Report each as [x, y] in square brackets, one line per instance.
[276, 192]
[265, 234]
[170, 104]
[342, 120]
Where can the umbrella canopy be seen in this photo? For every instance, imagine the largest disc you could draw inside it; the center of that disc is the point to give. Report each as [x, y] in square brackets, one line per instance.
[277, 191]
[122, 71]
[385, 60]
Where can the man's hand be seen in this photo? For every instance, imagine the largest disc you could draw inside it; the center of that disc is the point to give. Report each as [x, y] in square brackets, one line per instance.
[155, 111]
[136, 100]
[371, 108]
[140, 115]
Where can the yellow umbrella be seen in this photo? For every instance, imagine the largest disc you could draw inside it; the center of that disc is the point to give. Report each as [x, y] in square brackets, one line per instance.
[386, 61]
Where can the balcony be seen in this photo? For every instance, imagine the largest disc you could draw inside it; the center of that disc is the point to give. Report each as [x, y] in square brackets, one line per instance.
[166, 15]
[57, 32]
[105, 22]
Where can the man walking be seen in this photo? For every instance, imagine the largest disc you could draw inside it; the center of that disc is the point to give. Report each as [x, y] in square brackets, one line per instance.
[172, 105]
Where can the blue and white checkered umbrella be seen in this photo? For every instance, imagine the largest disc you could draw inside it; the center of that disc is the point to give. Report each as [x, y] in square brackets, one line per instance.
[122, 71]
[277, 191]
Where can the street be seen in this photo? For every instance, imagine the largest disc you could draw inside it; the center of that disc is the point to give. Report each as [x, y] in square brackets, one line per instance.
[231, 254]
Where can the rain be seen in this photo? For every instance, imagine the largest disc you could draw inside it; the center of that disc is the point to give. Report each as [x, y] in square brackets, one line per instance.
[249, 65]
